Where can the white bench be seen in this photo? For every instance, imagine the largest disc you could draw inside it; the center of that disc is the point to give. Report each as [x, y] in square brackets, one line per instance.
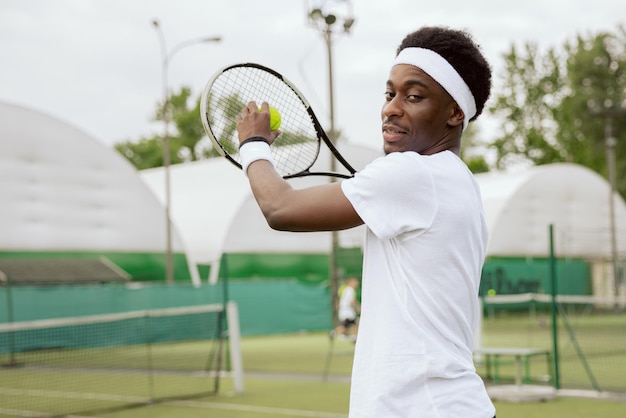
[521, 356]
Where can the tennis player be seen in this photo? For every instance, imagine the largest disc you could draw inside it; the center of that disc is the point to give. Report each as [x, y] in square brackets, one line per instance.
[348, 310]
[426, 232]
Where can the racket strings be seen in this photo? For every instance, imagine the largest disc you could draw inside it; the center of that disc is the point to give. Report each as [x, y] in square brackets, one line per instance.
[295, 149]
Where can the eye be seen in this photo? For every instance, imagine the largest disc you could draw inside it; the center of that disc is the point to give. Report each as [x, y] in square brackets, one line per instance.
[414, 97]
[389, 95]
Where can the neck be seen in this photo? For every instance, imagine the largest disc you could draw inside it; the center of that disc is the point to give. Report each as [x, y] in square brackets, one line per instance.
[451, 141]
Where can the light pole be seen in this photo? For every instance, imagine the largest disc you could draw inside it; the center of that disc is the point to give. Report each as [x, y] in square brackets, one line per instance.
[609, 111]
[166, 57]
[610, 143]
[325, 22]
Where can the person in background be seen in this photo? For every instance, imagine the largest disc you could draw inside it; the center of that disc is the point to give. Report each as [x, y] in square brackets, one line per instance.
[348, 310]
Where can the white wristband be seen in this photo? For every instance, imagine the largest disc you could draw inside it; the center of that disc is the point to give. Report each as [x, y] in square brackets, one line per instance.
[254, 151]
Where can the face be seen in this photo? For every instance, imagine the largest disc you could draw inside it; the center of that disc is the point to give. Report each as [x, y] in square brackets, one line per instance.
[416, 113]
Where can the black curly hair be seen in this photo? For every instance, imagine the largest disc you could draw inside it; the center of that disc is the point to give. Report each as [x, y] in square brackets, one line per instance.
[460, 50]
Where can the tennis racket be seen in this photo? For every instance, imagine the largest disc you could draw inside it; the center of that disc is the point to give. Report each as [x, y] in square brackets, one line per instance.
[297, 147]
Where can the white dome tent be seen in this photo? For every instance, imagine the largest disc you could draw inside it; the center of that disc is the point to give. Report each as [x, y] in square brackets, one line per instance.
[520, 207]
[216, 213]
[64, 192]
[213, 207]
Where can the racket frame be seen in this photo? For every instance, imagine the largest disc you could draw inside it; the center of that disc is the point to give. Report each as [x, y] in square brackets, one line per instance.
[320, 133]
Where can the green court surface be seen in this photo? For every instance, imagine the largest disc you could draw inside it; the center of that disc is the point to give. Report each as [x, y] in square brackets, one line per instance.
[297, 375]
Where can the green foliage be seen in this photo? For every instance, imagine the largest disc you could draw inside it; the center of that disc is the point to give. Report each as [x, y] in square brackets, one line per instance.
[146, 153]
[477, 164]
[597, 69]
[471, 147]
[531, 87]
[188, 141]
[554, 105]
[231, 105]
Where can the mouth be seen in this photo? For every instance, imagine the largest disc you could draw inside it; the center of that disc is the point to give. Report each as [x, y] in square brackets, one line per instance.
[392, 132]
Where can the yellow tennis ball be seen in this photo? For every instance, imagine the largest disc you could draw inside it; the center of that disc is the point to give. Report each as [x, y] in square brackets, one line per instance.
[274, 118]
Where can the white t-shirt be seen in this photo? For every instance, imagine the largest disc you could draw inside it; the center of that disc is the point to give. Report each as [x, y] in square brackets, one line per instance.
[346, 304]
[423, 255]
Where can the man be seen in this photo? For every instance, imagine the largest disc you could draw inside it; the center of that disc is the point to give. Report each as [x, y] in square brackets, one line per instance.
[425, 231]
[348, 309]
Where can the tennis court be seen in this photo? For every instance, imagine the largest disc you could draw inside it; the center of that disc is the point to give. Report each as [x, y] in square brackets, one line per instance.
[285, 376]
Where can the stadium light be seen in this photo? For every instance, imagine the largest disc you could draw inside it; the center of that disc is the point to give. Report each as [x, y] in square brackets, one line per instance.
[325, 21]
[166, 58]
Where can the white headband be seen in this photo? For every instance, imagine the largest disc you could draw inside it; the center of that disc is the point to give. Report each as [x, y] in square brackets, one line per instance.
[443, 73]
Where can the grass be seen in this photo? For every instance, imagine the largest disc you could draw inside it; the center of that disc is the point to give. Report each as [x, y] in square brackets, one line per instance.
[294, 376]
[286, 379]
[591, 347]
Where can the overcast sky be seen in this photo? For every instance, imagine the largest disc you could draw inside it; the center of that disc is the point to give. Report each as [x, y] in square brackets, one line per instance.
[96, 64]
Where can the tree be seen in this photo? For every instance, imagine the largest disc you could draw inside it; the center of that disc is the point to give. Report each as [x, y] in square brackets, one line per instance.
[188, 141]
[597, 70]
[554, 106]
[532, 86]
[471, 147]
[146, 153]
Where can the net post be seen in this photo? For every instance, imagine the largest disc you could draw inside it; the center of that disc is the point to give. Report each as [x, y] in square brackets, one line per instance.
[149, 359]
[553, 310]
[5, 278]
[234, 342]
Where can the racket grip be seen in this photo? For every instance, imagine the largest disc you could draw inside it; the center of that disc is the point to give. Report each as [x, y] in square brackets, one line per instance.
[254, 151]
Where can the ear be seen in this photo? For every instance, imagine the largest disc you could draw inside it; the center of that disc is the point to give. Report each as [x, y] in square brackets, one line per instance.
[456, 115]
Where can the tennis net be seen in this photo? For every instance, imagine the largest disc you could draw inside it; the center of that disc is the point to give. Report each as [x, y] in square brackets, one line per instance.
[65, 366]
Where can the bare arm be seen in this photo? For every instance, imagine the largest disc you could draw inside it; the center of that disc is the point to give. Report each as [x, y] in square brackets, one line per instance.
[318, 208]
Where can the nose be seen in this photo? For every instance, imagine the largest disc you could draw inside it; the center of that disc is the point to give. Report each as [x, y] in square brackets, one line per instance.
[391, 108]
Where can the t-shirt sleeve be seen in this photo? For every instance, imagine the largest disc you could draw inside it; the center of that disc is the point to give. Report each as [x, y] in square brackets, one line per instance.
[393, 195]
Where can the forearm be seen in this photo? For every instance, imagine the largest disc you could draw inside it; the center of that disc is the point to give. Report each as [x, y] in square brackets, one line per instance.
[317, 208]
[269, 190]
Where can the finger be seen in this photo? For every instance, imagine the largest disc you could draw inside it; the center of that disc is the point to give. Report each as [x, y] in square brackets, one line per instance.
[252, 106]
[274, 135]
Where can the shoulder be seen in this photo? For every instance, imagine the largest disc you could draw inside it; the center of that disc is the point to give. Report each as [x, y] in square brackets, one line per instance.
[400, 184]
[408, 158]
[394, 164]
[390, 175]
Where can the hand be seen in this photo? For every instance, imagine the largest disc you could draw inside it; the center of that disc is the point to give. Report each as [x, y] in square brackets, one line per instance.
[252, 122]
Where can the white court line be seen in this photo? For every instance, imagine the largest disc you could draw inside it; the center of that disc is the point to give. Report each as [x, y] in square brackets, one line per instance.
[258, 409]
[37, 414]
[71, 395]
[20, 413]
[137, 399]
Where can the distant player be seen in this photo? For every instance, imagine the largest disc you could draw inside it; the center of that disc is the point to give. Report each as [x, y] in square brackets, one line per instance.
[348, 310]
